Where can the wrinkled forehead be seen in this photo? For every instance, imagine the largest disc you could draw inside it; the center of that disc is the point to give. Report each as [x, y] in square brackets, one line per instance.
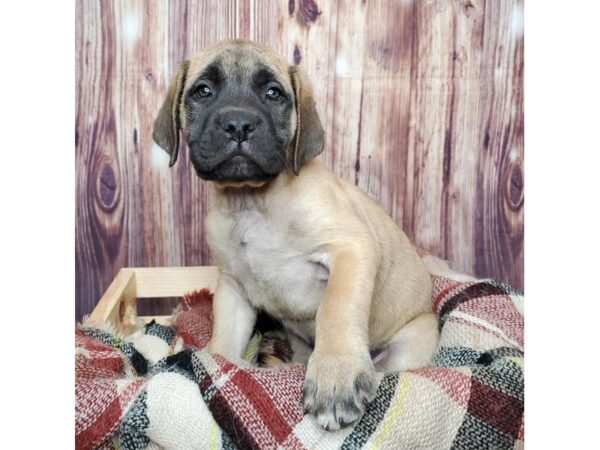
[238, 64]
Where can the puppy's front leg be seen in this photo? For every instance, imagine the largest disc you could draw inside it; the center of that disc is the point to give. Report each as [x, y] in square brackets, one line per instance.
[233, 319]
[339, 376]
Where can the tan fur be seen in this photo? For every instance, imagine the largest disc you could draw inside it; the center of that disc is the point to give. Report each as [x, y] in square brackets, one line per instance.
[363, 243]
[318, 254]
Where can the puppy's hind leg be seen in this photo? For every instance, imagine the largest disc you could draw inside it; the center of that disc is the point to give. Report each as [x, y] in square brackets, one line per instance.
[412, 347]
[301, 349]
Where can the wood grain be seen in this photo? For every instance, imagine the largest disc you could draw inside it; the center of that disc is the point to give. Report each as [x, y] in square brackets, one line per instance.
[422, 103]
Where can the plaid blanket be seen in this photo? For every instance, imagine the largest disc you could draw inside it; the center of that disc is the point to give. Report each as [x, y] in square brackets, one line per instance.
[158, 389]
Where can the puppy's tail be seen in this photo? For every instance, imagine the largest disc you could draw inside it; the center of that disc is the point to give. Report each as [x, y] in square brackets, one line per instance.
[440, 267]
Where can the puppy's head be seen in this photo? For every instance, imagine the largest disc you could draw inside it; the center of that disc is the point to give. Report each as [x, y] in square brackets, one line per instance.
[245, 114]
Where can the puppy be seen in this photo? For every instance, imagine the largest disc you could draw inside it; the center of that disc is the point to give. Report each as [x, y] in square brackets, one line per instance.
[289, 237]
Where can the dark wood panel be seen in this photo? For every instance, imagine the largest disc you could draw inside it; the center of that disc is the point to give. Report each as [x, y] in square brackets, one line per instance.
[421, 102]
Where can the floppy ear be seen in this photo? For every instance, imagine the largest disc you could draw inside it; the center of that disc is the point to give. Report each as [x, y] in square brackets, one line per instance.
[166, 126]
[310, 137]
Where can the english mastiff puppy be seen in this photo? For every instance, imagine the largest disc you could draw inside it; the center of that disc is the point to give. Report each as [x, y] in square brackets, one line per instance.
[292, 239]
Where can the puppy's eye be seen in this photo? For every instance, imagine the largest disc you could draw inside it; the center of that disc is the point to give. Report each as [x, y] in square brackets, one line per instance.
[203, 91]
[273, 93]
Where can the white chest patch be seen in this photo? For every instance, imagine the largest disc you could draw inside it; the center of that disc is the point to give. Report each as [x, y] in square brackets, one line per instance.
[275, 267]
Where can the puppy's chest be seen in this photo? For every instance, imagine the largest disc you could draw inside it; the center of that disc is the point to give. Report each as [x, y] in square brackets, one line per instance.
[274, 265]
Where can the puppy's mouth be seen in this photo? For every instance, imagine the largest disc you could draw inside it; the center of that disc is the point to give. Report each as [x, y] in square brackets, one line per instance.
[237, 165]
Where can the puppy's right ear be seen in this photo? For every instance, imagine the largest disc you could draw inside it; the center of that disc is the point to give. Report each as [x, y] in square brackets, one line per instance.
[167, 125]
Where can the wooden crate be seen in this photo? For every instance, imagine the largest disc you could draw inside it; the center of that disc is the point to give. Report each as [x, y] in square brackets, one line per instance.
[118, 305]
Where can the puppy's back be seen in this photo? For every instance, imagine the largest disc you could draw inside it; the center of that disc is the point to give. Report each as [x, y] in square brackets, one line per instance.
[403, 284]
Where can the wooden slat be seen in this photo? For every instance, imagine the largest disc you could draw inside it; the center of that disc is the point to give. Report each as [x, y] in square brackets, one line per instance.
[381, 156]
[431, 97]
[345, 88]
[464, 131]
[499, 226]
[99, 190]
[152, 282]
[118, 304]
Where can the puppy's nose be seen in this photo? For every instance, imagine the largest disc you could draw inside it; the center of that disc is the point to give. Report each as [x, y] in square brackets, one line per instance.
[239, 125]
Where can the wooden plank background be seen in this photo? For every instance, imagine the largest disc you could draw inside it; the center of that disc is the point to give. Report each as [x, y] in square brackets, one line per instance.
[422, 102]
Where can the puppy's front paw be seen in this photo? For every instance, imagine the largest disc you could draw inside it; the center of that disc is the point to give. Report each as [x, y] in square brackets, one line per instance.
[338, 388]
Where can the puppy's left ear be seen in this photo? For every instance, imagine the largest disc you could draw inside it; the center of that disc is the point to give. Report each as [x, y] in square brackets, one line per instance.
[310, 137]
[167, 125]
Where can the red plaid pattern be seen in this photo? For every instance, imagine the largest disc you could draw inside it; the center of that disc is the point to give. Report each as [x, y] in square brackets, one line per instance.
[472, 396]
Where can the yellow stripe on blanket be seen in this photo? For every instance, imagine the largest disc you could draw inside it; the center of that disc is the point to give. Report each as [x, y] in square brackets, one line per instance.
[393, 413]
[214, 435]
